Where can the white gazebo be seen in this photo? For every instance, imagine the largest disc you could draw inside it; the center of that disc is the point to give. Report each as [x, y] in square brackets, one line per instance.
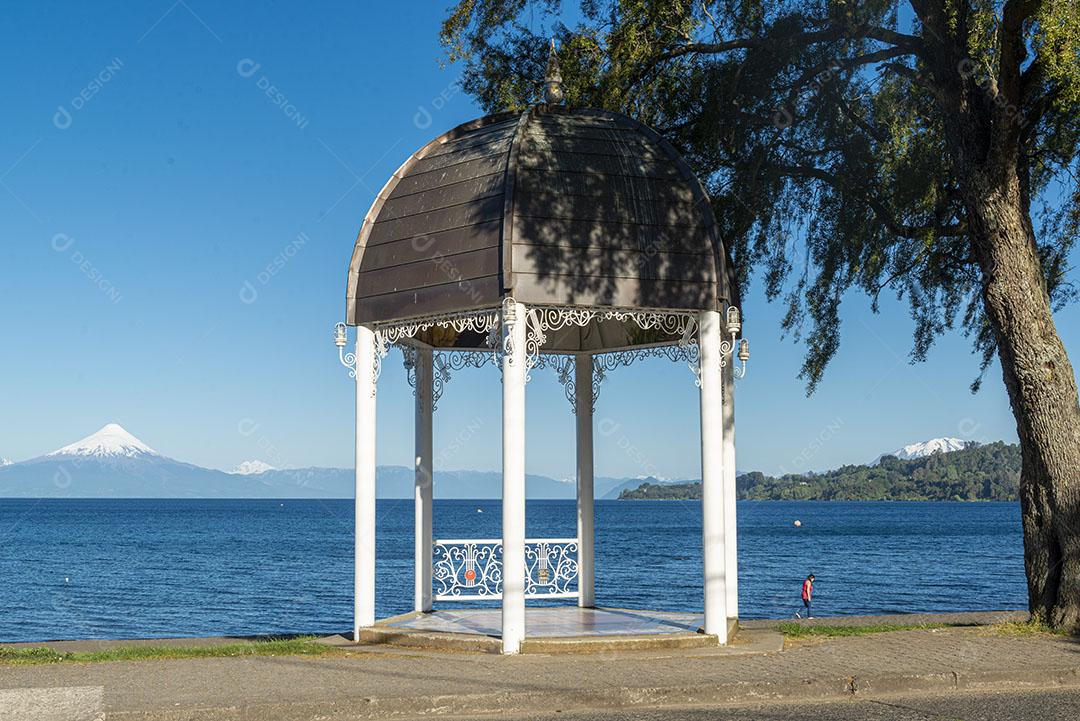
[563, 238]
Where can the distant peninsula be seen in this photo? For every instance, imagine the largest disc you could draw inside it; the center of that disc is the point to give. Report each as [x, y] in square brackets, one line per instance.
[989, 472]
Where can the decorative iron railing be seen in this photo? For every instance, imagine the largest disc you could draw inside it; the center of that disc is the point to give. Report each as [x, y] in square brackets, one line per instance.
[472, 570]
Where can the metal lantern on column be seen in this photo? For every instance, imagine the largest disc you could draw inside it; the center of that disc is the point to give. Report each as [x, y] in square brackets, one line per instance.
[734, 322]
[734, 348]
[341, 340]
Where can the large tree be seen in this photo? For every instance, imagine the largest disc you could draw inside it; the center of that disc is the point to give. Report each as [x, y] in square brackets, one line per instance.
[923, 146]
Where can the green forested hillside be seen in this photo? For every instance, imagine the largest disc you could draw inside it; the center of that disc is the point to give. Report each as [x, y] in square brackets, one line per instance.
[988, 472]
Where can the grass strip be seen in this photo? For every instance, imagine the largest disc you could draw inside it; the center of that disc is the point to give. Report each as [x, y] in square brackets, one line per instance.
[1027, 628]
[791, 629]
[301, 646]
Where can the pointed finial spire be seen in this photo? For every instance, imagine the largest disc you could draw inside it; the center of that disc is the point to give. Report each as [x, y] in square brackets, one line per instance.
[553, 90]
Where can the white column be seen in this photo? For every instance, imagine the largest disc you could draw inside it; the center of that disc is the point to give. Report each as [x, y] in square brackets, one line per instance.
[583, 404]
[712, 475]
[730, 520]
[422, 495]
[513, 490]
[364, 552]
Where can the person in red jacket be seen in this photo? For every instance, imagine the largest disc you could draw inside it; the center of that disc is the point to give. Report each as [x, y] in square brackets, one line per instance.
[808, 593]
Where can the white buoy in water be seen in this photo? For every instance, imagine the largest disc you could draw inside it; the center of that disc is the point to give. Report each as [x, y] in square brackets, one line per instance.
[479, 510]
[798, 523]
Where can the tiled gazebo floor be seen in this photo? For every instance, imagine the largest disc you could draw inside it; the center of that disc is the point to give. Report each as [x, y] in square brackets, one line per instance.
[554, 622]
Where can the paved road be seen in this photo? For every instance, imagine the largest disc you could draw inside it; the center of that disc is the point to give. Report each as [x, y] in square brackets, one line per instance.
[387, 683]
[1052, 705]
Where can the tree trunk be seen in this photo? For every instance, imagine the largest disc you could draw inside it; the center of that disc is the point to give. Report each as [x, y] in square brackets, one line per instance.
[1041, 386]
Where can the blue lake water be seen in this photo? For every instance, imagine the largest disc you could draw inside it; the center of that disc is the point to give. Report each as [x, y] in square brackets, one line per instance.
[81, 568]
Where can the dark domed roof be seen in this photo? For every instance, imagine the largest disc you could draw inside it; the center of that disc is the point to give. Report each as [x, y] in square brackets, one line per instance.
[554, 206]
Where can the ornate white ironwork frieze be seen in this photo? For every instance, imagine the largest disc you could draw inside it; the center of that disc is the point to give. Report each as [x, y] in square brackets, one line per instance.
[443, 363]
[392, 333]
[448, 362]
[564, 366]
[539, 322]
[409, 358]
[472, 570]
[678, 323]
[478, 321]
[686, 352]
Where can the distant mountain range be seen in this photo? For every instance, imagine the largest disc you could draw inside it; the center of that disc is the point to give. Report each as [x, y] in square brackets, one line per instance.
[113, 463]
[251, 468]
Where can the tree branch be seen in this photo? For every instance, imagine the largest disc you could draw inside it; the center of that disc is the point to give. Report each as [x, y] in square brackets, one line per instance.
[1031, 79]
[917, 78]
[1013, 49]
[903, 230]
[902, 45]
[827, 65]
[866, 127]
[892, 37]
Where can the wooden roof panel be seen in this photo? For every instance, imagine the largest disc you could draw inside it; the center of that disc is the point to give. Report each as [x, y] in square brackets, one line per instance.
[433, 247]
[436, 270]
[448, 298]
[424, 224]
[597, 185]
[488, 134]
[633, 148]
[604, 237]
[618, 292]
[645, 264]
[443, 196]
[419, 182]
[555, 205]
[603, 163]
[496, 149]
[609, 209]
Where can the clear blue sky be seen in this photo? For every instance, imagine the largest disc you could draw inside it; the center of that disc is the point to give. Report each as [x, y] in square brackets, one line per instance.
[148, 179]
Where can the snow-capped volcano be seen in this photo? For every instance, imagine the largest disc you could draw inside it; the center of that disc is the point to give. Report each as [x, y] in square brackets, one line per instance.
[252, 468]
[112, 463]
[930, 447]
[112, 441]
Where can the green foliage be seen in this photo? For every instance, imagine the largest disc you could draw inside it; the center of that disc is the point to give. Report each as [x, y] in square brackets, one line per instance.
[690, 490]
[822, 131]
[37, 655]
[794, 630]
[988, 472]
[1032, 627]
[1056, 42]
